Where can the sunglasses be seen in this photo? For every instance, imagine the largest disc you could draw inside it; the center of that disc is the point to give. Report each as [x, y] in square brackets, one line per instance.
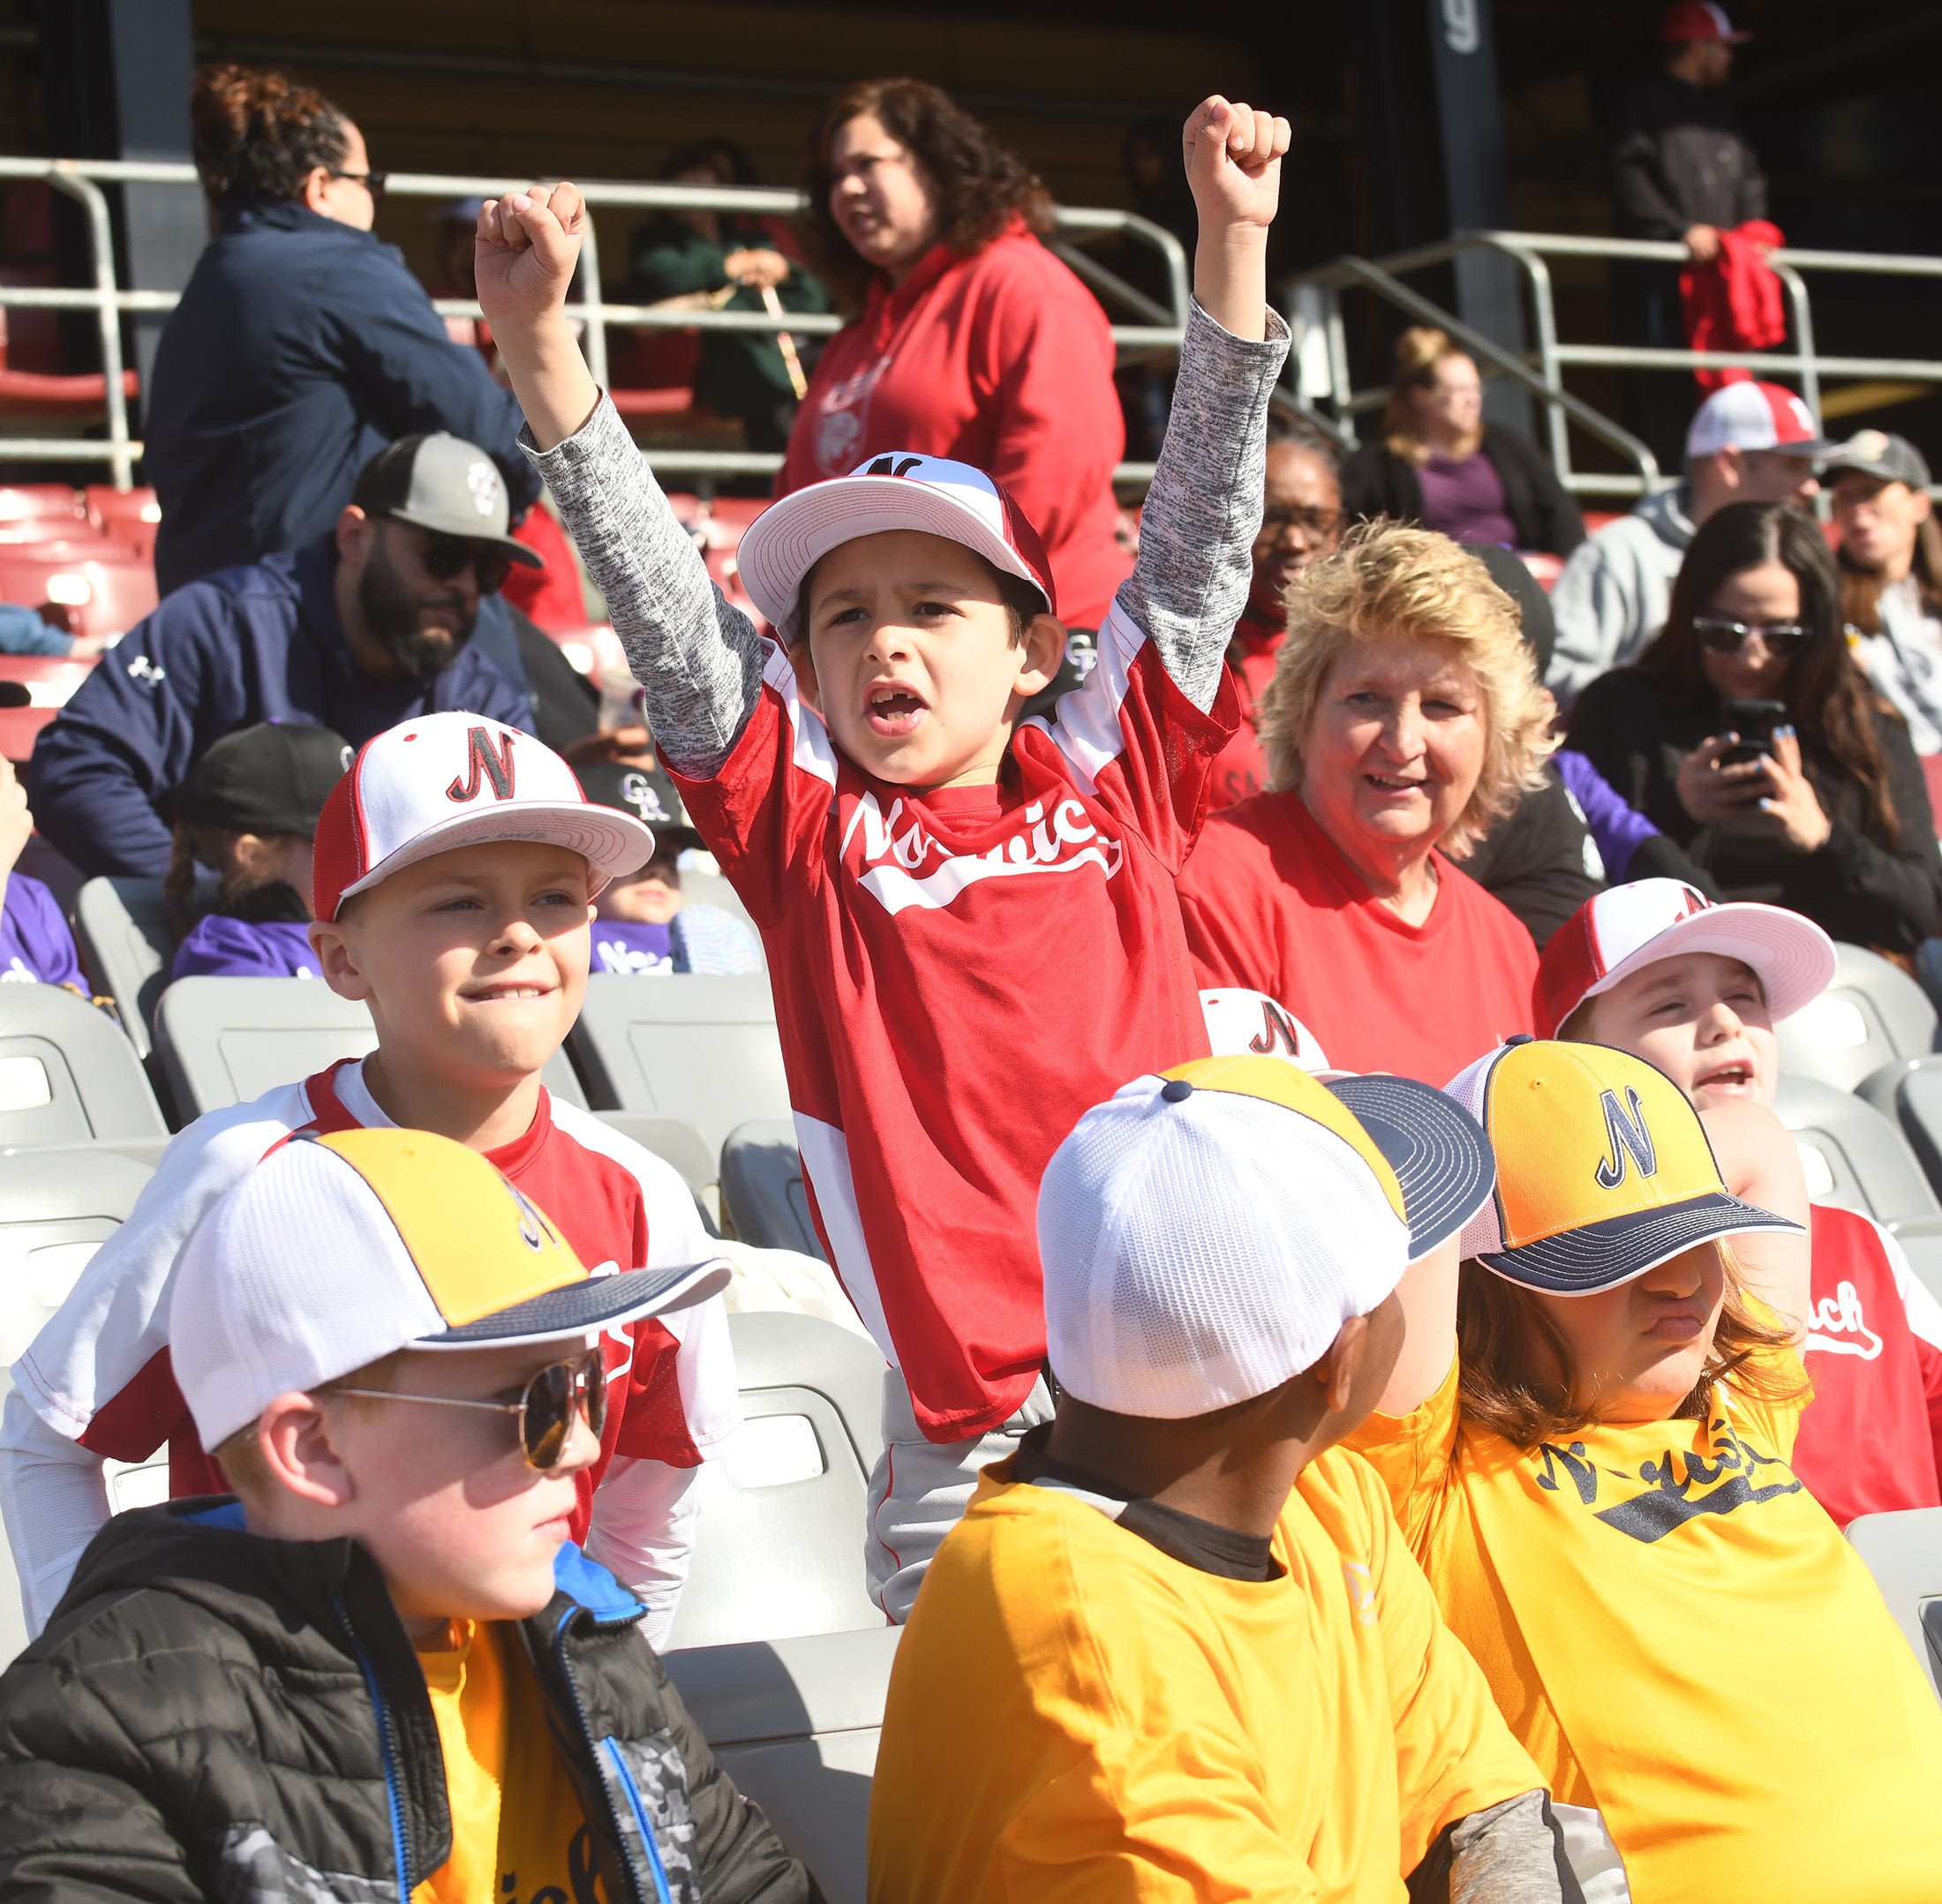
[1310, 522]
[548, 1407]
[443, 557]
[373, 183]
[1718, 636]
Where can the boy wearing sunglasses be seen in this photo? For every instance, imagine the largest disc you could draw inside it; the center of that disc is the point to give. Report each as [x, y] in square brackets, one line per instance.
[382, 1670]
[453, 879]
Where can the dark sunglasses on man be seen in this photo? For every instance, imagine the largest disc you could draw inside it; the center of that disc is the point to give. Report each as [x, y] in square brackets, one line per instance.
[548, 1406]
[1719, 636]
[373, 183]
[445, 557]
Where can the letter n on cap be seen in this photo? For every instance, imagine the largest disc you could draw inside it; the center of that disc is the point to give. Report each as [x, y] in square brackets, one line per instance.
[485, 760]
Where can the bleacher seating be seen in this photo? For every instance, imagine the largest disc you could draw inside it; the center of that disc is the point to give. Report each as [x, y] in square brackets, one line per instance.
[104, 588]
[68, 1077]
[794, 1723]
[130, 517]
[762, 1192]
[1853, 1156]
[1872, 1015]
[1910, 1095]
[47, 509]
[1904, 1553]
[127, 943]
[778, 1548]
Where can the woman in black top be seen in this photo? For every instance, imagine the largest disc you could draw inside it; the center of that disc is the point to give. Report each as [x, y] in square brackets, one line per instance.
[1833, 817]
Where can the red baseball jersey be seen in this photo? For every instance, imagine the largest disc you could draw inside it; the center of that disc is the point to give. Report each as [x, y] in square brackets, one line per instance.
[958, 976]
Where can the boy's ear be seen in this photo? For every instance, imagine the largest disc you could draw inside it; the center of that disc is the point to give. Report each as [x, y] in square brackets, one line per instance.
[293, 1441]
[337, 959]
[1039, 654]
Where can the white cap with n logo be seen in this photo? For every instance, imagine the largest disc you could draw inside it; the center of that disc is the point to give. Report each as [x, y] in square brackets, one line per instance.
[457, 779]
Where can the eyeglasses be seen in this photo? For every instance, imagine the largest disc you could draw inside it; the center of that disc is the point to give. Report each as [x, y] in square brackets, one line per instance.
[373, 183]
[1718, 636]
[547, 1408]
[443, 557]
[1309, 522]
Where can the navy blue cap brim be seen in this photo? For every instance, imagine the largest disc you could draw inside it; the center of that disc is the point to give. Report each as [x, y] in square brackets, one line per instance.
[580, 1308]
[1442, 1158]
[1602, 1255]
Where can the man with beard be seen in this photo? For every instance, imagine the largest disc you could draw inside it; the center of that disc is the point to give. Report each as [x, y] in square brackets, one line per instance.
[370, 627]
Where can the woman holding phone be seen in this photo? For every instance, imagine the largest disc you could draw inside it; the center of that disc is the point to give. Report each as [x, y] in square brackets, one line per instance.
[1746, 732]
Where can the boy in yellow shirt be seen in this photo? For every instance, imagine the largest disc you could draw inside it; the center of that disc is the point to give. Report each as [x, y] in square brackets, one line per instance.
[1177, 1650]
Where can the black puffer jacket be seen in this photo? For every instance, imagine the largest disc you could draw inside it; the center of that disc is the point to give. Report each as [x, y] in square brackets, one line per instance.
[214, 1715]
[1680, 160]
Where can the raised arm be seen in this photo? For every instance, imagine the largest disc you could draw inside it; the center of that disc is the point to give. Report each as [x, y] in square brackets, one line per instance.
[1204, 508]
[698, 659]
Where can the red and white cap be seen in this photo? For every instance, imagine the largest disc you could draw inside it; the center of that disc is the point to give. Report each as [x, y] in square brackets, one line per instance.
[1241, 1023]
[1625, 929]
[1755, 416]
[1699, 19]
[898, 490]
[458, 780]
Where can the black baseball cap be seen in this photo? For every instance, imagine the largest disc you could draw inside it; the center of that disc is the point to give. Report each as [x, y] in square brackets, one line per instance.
[648, 794]
[443, 483]
[272, 777]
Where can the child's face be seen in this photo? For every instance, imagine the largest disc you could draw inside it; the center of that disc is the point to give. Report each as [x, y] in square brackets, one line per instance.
[910, 659]
[474, 962]
[1701, 1018]
[646, 900]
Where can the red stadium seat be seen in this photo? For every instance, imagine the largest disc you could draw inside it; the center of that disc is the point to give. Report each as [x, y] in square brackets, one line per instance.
[103, 588]
[48, 683]
[34, 511]
[1596, 519]
[130, 517]
[1542, 564]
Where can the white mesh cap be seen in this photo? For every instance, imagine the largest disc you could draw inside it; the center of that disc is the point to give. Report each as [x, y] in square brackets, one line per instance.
[1204, 1243]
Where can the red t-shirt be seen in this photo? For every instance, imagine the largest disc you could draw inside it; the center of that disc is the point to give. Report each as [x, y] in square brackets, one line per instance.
[958, 977]
[1242, 768]
[1871, 1441]
[1271, 903]
[1002, 360]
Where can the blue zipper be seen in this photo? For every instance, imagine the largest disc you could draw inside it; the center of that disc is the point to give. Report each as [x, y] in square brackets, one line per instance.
[633, 1792]
[388, 1741]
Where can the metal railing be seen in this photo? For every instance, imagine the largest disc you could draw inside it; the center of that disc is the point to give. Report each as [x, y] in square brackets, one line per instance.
[1161, 330]
[1543, 371]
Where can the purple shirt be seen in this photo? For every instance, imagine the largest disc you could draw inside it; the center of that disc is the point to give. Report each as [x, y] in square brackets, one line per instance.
[35, 946]
[1464, 500]
[629, 945]
[221, 947]
[1617, 829]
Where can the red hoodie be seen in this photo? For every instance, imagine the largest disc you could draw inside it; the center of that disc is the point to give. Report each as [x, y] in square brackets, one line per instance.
[1002, 360]
[1735, 303]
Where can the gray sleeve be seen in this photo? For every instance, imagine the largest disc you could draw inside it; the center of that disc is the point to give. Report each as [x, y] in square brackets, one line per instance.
[1593, 612]
[1511, 1853]
[698, 659]
[1204, 512]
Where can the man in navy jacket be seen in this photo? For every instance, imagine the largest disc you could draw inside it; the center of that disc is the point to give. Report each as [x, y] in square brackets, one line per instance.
[366, 628]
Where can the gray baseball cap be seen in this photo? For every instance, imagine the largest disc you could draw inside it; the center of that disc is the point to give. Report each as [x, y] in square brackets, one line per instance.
[443, 483]
[1886, 457]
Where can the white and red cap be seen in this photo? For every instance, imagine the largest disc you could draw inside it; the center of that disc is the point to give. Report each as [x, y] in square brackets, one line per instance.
[897, 490]
[1241, 1023]
[1625, 929]
[458, 780]
[1699, 19]
[1755, 416]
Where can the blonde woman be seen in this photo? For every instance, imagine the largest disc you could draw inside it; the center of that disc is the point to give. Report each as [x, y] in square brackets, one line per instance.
[1439, 463]
[1404, 717]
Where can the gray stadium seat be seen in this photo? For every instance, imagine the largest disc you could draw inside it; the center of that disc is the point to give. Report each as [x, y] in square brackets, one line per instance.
[1909, 1095]
[794, 1723]
[761, 1190]
[1873, 1014]
[225, 1041]
[68, 1076]
[1855, 1155]
[128, 947]
[778, 1546]
[704, 1050]
[1904, 1553]
[56, 1207]
[671, 1141]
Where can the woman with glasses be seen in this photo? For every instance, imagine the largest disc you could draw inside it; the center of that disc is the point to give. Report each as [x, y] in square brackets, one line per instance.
[1748, 735]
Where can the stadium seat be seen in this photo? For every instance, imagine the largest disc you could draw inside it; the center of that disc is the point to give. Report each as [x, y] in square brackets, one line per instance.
[127, 945]
[56, 1209]
[761, 1190]
[225, 1041]
[67, 1076]
[1904, 1553]
[1873, 1014]
[1909, 1095]
[1853, 1156]
[104, 589]
[33, 689]
[704, 1050]
[130, 517]
[794, 1723]
[27, 509]
[778, 1548]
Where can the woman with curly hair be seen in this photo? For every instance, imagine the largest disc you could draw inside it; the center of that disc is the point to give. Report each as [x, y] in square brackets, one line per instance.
[1403, 717]
[971, 340]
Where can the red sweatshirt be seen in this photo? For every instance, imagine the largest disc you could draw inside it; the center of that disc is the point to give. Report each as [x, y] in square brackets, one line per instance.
[1002, 360]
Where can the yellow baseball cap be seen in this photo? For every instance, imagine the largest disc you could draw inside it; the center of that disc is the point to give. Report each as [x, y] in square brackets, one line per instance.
[1604, 1169]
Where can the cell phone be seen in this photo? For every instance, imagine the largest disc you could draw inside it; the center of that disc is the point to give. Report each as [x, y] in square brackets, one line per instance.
[1754, 721]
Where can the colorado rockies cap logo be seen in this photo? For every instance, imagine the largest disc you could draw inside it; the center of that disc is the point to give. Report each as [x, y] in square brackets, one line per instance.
[641, 793]
[488, 761]
[1627, 1138]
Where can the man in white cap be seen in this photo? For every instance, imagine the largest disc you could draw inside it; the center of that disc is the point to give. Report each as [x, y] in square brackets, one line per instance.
[1749, 442]
[1177, 1648]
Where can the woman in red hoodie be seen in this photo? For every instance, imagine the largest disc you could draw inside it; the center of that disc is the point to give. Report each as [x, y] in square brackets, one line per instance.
[972, 341]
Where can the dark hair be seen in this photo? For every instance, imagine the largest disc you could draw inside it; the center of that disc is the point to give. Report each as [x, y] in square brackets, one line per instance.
[1827, 695]
[257, 134]
[977, 185]
[1298, 432]
[722, 156]
[1860, 588]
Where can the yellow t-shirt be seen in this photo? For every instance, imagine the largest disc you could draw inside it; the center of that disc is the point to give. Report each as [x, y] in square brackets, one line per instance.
[1074, 1715]
[1682, 1640]
[517, 1827]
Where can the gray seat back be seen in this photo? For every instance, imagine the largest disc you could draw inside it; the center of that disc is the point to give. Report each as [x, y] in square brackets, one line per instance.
[67, 1076]
[1873, 1014]
[762, 1192]
[794, 1723]
[1853, 1155]
[225, 1041]
[1904, 1553]
[1909, 1091]
[779, 1543]
[704, 1050]
[128, 946]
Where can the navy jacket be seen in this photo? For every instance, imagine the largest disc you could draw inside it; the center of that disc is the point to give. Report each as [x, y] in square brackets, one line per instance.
[299, 350]
[248, 644]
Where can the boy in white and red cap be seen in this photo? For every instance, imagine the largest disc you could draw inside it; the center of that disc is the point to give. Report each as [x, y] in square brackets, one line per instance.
[454, 871]
[933, 872]
[1694, 988]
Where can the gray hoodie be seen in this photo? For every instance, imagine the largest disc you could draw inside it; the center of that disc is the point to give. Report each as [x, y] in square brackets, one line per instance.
[1612, 597]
